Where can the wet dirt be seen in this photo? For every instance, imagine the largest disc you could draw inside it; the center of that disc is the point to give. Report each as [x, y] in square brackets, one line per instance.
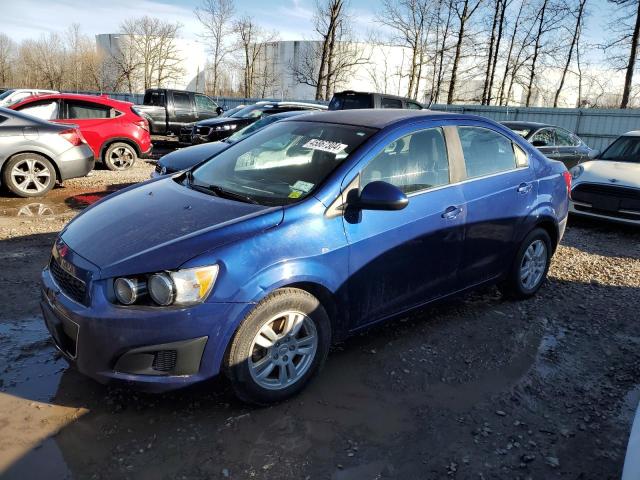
[475, 388]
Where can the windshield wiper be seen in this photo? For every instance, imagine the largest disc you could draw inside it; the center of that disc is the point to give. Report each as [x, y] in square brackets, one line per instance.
[221, 192]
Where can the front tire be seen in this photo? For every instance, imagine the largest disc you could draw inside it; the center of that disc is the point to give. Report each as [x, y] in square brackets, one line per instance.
[280, 346]
[29, 175]
[120, 156]
[530, 267]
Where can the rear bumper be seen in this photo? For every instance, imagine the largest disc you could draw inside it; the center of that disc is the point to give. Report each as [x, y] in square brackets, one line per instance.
[147, 153]
[151, 349]
[75, 162]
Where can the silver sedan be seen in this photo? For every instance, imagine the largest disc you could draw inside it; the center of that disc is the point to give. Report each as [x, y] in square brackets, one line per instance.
[35, 154]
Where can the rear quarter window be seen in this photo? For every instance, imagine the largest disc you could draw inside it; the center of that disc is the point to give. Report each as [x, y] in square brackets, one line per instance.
[486, 152]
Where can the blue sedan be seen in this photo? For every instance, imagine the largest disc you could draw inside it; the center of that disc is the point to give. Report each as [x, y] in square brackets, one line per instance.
[312, 229]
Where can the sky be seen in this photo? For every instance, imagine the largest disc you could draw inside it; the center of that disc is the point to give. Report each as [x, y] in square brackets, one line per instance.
[22, 19]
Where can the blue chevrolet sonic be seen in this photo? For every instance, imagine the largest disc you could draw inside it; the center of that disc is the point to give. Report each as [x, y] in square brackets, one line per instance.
[312, 229]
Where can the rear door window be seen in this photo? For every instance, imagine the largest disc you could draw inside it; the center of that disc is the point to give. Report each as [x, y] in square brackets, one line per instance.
[86, 110]
[181, 101]
[565, 139]
[486, 152]
[390, 103]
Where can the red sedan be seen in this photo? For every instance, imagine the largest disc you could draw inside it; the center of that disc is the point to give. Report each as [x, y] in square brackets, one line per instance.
[114, 131]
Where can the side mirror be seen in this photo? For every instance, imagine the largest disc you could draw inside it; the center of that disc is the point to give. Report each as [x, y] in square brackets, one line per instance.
[219, 110]
[539, 143]
[381, 196]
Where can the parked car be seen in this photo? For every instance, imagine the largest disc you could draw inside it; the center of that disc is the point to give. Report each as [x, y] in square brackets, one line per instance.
[216, 129]
[631, 468]
[608, 187]
[114, 131]
[15, 95]
[314, 228]
[34, 154]
[188, 157]
[554, 142]
[167, 111]
[187, 129]
[349, 100]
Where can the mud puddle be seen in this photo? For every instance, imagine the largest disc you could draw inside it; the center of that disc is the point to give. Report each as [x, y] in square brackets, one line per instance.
[31, 366]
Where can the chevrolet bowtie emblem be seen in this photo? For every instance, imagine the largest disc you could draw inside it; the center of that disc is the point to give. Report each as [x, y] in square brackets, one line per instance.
[613, 180]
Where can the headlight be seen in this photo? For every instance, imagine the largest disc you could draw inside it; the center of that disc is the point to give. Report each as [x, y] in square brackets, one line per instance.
[182, 287]
[128, 290]
[226, 127]
[576, 171]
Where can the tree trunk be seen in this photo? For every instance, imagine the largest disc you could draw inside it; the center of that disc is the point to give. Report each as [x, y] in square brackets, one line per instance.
[569, 57]
[536, 51]
[496, 52]
[628, 79]
[511, 45]
[490, 55]
[456, 58]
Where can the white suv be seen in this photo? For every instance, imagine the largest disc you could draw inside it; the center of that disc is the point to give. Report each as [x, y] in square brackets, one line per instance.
[16, 95]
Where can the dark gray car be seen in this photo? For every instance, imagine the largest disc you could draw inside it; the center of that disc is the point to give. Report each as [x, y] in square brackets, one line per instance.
[554, 142]
[35, 154]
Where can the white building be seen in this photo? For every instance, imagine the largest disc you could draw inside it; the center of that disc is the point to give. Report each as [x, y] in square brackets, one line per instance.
[191, 54]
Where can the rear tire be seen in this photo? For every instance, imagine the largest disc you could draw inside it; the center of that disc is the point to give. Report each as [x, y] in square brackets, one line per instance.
[29, 175]
[530, 266]
[120, 156]
[280, 346]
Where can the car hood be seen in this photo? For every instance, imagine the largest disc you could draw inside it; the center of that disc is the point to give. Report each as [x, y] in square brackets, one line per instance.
[610, 172]
[159, 225]
[190, 156]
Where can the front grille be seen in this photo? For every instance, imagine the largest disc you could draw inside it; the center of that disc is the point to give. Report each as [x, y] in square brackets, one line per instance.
[607, 198]
[165, 360]
[70, 285]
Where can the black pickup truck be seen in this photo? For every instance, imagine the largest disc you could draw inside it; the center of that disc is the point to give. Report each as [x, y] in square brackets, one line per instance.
[168, 110]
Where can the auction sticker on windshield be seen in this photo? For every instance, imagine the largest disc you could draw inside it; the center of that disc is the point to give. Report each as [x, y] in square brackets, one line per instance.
[304, 186]
[325, 146]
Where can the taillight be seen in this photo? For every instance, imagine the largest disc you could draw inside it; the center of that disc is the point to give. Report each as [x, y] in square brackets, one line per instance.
[567, 181]
[142, 124]
[73, 136]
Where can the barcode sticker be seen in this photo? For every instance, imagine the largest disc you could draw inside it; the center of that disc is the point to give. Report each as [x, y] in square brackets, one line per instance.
[325, 145]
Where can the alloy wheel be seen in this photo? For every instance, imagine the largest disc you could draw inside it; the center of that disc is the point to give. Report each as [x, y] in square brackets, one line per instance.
[283, 350]
[122, 158]
[31, 176]
[533, 265]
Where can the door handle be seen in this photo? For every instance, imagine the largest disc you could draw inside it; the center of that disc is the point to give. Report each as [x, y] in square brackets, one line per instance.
[524, 188]
[452, 212]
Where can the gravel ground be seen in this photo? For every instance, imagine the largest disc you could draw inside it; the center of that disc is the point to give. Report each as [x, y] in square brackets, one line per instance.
[475, 388]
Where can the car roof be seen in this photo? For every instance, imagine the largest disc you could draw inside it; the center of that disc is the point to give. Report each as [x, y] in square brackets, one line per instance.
[523, 124]
[102, 99]
[386, 95]
[378, 117]
[632, 133]
[292, 113]
[289, 104]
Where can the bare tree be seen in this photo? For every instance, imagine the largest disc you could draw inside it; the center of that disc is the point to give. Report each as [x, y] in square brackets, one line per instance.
[252, 41]
[573, 46]
[464, 10]
[8, 51]
[216, 18]
[623, 49]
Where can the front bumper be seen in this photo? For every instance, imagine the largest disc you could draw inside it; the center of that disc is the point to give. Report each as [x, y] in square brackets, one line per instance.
[75, 162]
[585, 210]
[151, 348]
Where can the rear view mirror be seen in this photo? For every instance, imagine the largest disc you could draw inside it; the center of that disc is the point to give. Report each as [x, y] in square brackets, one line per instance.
[381, 196]
[539, 143]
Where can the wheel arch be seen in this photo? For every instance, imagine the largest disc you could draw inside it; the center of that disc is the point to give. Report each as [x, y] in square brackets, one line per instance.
[3, 166]
[107, 143]
[551, 227]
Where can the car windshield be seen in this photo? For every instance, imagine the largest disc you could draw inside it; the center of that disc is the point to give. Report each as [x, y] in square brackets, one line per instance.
[253, 128]
[624, 149]
[6, 94]
[251, 111]
[280, 164]
[229, 113]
